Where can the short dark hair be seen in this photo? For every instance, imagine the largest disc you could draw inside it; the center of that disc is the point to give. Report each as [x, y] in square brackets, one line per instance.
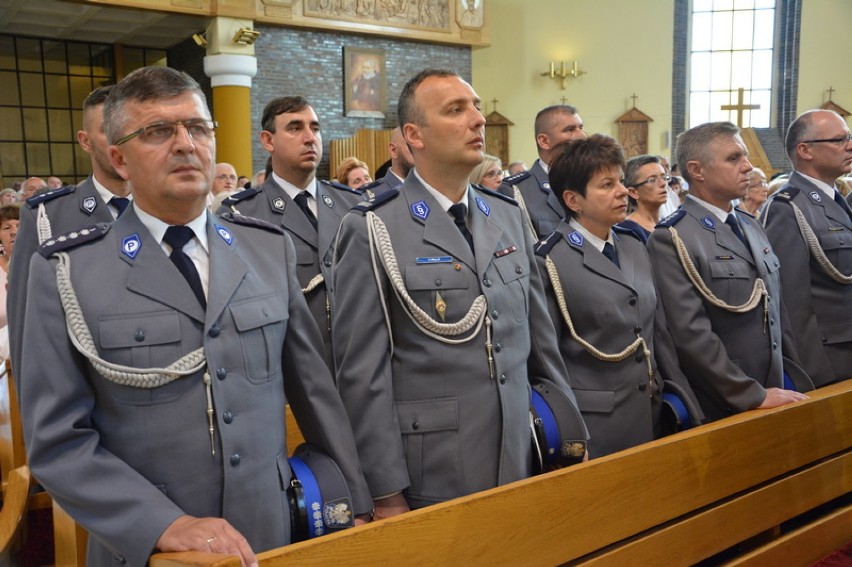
[97, 97]
[148, 83]
[692, 144]
[279, 106]
[575, 162]
[634, 164]
[544, 118]
[406, 110]
[10, 212]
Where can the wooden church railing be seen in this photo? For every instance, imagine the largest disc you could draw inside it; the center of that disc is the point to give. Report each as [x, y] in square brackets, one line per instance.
[678, 500]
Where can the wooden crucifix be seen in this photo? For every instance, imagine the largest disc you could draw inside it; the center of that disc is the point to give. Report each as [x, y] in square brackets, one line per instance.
[740, 107]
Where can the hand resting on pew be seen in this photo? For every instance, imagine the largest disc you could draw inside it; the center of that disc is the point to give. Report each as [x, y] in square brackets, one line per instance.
[213, 535]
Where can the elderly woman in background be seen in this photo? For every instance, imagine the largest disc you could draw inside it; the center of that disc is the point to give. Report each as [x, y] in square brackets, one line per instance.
[9, 219]
[647, 182]
[489, 173]
[757, 192]
[603, 300]
[353, 172]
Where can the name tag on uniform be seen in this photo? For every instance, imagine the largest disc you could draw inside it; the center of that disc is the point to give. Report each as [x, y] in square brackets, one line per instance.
[434, 260]
[725, 258]
[505, 251]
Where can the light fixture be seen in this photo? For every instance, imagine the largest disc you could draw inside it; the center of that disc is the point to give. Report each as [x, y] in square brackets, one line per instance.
[563, 73]
[200, 39]
[245, 36]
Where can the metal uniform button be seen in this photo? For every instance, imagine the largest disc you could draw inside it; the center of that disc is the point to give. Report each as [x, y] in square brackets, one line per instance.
[640, 357]
[327, 263]
[498, 347]
[214, 331]
[415, 426]
[494, 313]
[227, 417]
[486, 282]
[221, 373]
[519, 270]
[632, 300]
[502, 378]
[637, 329]
[437, 282]
[235, 459]
[139, 336]
[774, 345]
[643, 386]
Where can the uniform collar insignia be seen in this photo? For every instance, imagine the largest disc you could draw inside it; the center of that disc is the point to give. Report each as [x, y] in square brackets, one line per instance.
[278, 204]
[328, 201]
[224, 233]
[483, 206]
[89, 204]
[816, 196]
[576, 238]
[420, 210]
[709, 222]
[546, 185]
[131, 245]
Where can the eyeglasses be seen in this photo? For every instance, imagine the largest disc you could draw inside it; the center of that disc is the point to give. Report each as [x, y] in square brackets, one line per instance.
[226, 177]
[836, 141]
[759, 184]
[494, 173]
[652, 180]
[199, 129]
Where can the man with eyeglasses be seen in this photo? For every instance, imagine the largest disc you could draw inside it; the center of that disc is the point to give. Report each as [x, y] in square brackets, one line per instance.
[100, 198]
[531, 188]
[809, 225]
[225, 179]
[292, 198]
[717, 278]
[157, 419]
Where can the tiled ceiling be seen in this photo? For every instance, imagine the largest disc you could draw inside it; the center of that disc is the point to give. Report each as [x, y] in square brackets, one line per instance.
[84, 22]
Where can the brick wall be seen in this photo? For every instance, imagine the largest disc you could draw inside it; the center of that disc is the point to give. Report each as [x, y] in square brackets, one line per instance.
[310, 63]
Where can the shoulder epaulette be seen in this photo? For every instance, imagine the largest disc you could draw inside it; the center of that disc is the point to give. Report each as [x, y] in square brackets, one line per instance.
[376, 201]
[786, 194]
[497, 194]
[745, 212]
[251, 221]
[371, 185]
[34, 202]
[340, 186]
[73, 239]
[545, 245]
[628, 231]
[672, 219]
[518, 177]
[241, 196]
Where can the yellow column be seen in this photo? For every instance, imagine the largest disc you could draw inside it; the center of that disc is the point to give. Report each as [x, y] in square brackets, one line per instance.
[231, 64]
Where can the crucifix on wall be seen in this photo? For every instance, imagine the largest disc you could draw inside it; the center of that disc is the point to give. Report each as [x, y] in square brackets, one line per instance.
[740, 107]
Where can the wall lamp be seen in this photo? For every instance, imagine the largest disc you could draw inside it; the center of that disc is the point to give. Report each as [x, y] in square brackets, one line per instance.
[245, 36]
[200, 39]
[563, 73]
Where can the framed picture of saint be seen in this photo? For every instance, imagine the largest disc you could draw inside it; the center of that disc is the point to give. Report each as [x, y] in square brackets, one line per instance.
[364, 82]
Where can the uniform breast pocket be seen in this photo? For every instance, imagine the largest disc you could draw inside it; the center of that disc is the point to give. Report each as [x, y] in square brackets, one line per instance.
[142, 340]
[261, 323]
[773, 264]
[514, 272]
[440, 290]
[430, 436]
[837, 245]
[730, 280]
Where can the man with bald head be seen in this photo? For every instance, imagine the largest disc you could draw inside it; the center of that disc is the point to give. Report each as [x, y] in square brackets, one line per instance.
[401, 163]
[809, 226]
[32, 186]
[225, 179]
[531, 188]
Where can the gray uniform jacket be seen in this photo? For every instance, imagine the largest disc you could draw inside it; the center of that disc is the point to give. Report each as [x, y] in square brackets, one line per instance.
[430, 416]
[68, 208]
[609, 307]
[729, 358]
[820, 308]
[314, 246]
[541, 203]
[125, 461]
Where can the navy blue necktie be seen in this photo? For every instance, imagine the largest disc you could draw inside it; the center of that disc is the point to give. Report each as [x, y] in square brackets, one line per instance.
[610, 252]
[302, 200]
[177, 237]
[838, 198]
[731, 221]
[120, 204]
[459, 212]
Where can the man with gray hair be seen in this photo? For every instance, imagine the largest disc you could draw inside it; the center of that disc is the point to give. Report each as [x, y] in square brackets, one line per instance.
[531, 188]
[718, 282]
[161, 424]
[809, 225]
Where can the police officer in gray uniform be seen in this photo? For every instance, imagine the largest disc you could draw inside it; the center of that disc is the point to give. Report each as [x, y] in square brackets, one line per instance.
[293, 198]
[100, 198]
[441, 320]
[809, 225]
[719, 284]
[531, 189]
[161, 426]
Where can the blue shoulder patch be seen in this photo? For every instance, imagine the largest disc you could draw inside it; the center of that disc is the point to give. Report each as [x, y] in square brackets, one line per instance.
[517, 178]
[497, 194]
[544, 246]
[34, 202]
[672, 219]
[251, 221]
[376, 201]
[340, 186]
[73, 239]
[241, 196]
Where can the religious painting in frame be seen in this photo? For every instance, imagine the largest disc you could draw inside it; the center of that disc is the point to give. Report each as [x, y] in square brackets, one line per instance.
[364, 82]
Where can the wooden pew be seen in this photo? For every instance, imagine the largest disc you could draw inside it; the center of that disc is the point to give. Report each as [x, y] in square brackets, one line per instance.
[678, 500]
